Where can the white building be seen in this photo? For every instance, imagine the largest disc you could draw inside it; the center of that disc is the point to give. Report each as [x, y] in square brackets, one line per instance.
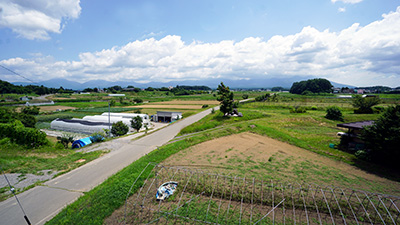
[166, 117]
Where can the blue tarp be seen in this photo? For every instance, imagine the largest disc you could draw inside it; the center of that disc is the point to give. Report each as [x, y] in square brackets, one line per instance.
[81, 142]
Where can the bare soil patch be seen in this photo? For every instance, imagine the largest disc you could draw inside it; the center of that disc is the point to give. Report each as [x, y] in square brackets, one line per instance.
[253, 155]
[54, 108]
[177, 102]
[167, 106]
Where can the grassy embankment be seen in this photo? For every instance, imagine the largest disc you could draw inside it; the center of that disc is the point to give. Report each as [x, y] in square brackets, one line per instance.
[19, 159]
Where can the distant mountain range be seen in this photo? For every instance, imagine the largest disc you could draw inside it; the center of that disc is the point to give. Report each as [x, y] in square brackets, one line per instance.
[212, 83]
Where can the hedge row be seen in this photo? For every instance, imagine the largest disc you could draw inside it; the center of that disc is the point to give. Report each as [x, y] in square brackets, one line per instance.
[21, 135]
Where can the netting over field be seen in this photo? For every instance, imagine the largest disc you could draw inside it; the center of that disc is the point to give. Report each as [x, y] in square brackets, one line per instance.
[206, 198]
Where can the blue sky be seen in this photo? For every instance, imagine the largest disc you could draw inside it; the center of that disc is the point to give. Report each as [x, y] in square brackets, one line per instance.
[356, 42]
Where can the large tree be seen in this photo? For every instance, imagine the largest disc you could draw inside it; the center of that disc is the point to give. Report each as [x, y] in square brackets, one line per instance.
[225, 96]
[318, 85]
[383, 138]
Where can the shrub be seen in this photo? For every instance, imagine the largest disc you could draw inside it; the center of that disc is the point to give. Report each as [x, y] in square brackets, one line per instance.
[26, 119]
[314, 107]
[298, 109]
[31, 110]
[245, 96]
[204, 106]
[119, 129]
[21, 135]
[364, 105]
[138, 100]
[65, 139]
[334, 113]
[98, 136]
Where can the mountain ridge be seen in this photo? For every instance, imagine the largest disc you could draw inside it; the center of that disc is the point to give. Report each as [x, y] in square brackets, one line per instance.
[212, 83]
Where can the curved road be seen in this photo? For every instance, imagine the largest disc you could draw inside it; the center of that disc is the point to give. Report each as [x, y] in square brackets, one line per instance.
[44, 202]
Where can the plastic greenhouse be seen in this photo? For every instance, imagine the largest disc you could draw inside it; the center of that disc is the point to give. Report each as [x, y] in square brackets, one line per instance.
[79, 125]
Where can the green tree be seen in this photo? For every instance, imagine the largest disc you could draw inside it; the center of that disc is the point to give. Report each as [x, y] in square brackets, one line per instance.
[245, 96]
[119, 129]
[334, 113]
[318, 85]
[31, 110]
[136, 123]
[26, 119]
[225, 97]
[383, 138]
[112, 103]
[364, 105]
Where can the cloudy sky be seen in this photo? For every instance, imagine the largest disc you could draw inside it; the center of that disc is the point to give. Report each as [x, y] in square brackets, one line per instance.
[355, 42]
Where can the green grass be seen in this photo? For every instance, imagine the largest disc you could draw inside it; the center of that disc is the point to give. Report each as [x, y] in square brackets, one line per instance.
[18, 159]
[102, 201]
[310, 131]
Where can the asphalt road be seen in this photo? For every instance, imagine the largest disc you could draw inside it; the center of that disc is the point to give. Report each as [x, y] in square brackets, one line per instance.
[44, 202]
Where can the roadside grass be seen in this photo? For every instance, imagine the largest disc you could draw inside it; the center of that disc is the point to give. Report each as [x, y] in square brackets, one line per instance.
[18, 159]
[217, 119]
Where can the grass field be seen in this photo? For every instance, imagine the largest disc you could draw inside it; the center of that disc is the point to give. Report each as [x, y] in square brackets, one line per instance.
[308, 131]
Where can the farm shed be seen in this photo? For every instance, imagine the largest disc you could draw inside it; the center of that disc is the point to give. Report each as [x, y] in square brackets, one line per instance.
[351, 138]
[166, 117]
[78, 125]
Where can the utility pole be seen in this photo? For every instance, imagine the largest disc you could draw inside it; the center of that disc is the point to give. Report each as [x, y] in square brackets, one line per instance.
[109, 126]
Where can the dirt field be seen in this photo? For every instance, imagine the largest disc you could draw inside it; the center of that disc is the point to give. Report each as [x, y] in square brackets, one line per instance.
[252, 155]
[177, 102]
[50, 108]
[166, 106]
[54, 108]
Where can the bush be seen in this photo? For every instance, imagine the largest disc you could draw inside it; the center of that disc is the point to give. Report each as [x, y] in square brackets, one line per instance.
[31, 110]
[204, 106]
[334, 113]
[137, 100]
[26, 119]
[364, 105]
[98, 136]
[21, 135]
[245, 96]
[298, 109]
[119, 129]
[314, 107]
[65, 139]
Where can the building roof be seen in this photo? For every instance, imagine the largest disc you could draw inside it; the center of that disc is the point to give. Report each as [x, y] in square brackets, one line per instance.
[357, 125]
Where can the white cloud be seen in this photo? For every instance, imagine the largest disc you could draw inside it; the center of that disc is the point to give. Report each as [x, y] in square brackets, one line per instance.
[347, 1]
[368, 55]
[36, 19]
[342, 9]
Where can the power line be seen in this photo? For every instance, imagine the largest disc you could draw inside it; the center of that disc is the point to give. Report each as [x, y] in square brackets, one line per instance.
[18, 74]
